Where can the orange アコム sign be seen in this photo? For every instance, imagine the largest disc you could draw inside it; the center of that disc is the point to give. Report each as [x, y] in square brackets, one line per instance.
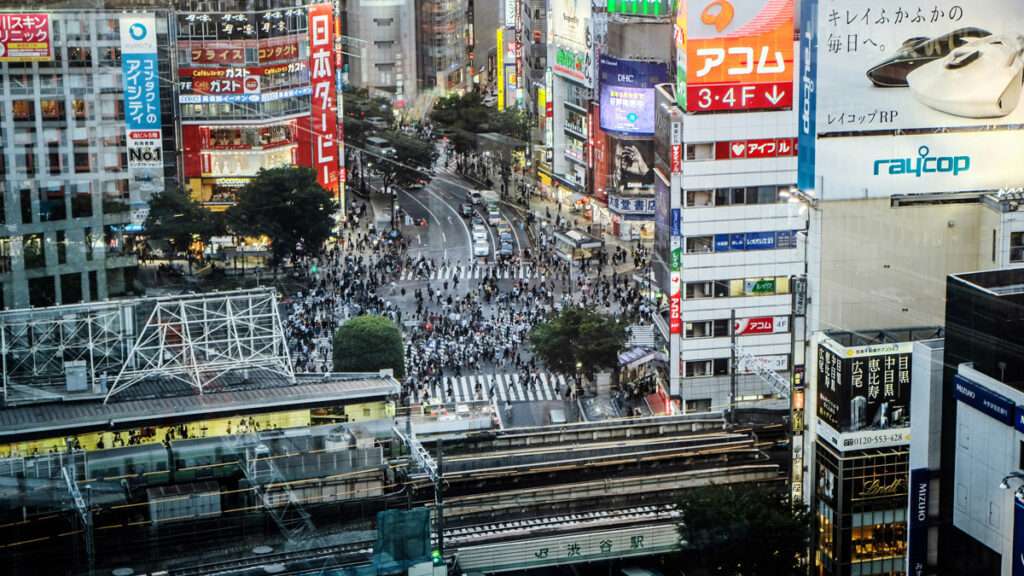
[736, 58]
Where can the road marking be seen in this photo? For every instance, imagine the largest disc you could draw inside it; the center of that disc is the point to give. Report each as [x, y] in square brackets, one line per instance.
[444, 237]
[469, 237]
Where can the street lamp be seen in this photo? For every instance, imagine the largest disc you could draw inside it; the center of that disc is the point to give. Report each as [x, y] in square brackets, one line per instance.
[1005, 484]
[579, 375]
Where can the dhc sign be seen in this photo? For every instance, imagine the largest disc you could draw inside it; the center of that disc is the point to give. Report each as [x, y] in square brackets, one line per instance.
[923, 164]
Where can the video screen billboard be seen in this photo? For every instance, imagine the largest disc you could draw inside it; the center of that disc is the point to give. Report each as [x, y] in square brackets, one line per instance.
[627, 94]
[25, 37]
[863, 393]
[734, 55]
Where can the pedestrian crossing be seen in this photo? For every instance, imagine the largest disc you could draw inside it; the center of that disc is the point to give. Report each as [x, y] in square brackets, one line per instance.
[473, 272]
[502, 387]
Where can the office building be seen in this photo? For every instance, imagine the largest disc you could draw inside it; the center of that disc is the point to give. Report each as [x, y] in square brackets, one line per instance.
[88, 138]
[382, 41]
[442, 27]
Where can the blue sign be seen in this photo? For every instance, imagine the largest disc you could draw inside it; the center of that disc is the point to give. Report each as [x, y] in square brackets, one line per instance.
[625, 205]
[677, 222]
[721, 242]
[990, 403]
[785, 239]
[141, 90]
[760, 240]
[808, 106]
[737, 242]
[1018, 421]
[917, 549]
[1018, 536]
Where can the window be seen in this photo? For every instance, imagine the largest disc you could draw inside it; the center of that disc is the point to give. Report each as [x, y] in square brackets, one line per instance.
[704, 368]
[707, 329]
[62, 247]
[699, 405]
[32, 248]
[52, 109]
[5, 255]
[23, 110]
[26, 206]
[1016, 246]
[51, 203]
[700, 244]
[702, 151]
[699, 198]
[81, 201]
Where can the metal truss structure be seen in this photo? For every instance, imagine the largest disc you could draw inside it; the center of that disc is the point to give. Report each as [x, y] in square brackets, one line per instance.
[195, 339]
[199, 338]
[758, 366]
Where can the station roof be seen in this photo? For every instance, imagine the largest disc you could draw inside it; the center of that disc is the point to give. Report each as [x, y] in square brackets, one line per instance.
[160, 400]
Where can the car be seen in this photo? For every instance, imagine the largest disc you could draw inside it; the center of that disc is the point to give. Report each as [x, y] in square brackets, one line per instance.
[506, 236]
[503, 227]
[477, 221]
[493, 216]
[490, 100]
[481, 248]
[418, 184]
[474, 198]
[467, 210]
[377, 122]
[506, 250]
[479, 234]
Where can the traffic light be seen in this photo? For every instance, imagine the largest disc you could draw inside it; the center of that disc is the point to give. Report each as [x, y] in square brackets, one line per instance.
[436, 557]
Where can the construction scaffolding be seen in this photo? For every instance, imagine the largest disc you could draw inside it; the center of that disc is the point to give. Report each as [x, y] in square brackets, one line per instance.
[105, 348]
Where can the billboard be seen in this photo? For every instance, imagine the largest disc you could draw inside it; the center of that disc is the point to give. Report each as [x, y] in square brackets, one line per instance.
[25, 37]
[572, 40]
[142, 118]
[633, 164]
[936, 82]
[627, 94]
[863, 394]
[733, 55]
[323, 102]
[755, 148]
[761, 325]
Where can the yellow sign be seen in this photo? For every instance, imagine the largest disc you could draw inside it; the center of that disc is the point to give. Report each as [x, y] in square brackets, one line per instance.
[500, 69]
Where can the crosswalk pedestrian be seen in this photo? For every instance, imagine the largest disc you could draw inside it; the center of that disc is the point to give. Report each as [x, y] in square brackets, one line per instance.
[503, 387]
[470, 272]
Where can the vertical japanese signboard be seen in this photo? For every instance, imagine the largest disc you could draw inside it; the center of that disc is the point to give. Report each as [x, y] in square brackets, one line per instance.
[735, 56]
[323, 104]
[141, 83]
[25, 37]
[864, 394]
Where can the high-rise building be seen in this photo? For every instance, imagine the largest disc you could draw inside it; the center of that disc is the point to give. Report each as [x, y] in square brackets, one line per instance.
[382, 47]
[88, 138]
[730, 250]
[258, 89]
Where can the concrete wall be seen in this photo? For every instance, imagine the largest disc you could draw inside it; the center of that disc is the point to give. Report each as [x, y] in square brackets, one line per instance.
[885, 267]
[640, 40]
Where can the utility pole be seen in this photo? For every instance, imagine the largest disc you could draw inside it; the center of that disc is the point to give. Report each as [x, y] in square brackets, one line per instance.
[732, 366]
[439, 495]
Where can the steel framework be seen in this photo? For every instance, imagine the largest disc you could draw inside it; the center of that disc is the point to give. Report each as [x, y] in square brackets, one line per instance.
[199, 338]
[195, 338]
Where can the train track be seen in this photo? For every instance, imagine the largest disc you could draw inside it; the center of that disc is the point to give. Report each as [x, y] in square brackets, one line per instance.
[334, 555]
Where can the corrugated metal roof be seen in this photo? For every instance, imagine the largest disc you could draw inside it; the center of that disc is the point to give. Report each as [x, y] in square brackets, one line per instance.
[150, 405]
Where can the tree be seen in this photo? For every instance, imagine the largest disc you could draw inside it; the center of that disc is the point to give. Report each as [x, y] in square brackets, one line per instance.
[579, 336]
[289, 207]
[466, 115]
[744, 530]
[369, 344]
[179, 220]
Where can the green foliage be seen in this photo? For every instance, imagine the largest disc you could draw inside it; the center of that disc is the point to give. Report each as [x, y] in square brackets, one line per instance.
[288, 206]
[369, 344]
[579, 335]
[746, 529]
[179, 220]
[466, 115]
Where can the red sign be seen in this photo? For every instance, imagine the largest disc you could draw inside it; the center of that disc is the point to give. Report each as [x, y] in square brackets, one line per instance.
[766, 148]
[712, 97]
[323, 102]
[738, 58]
[761, 325]
[677, 158]
[25, 37]
[217, 53]
[276, 50]
[675, 313]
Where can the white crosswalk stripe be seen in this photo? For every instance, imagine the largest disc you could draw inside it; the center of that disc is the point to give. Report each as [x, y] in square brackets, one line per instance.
[507, 387]
[467, 273]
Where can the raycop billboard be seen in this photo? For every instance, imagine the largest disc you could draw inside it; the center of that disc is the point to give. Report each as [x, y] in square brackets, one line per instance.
[627, 95]
[863, 398]
[733, 55]
[936, 88]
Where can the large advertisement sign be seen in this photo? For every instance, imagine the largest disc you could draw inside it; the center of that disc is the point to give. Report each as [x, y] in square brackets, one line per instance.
[917, 541]
[25, 37]
[323, 103]
[761, 325]
[937, 86]
[572, 40]
[141, 83]
[634, 164]
[863, 394]
[627, 94]
[735, 55]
